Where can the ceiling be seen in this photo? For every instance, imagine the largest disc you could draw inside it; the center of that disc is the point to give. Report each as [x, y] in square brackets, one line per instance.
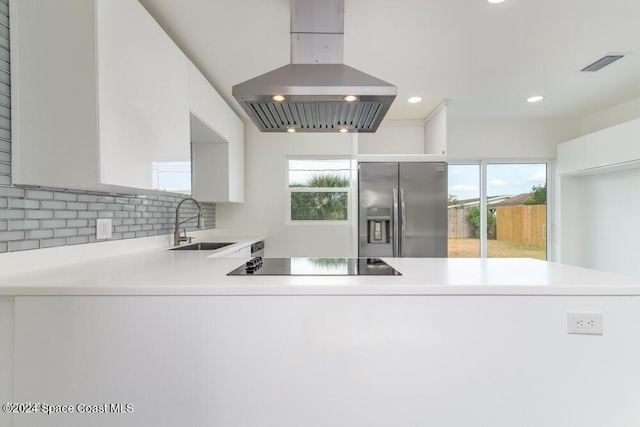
[486, 59]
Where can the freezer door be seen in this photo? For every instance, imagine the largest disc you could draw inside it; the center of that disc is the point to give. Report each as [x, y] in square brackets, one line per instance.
[423, 205]
[376, 184]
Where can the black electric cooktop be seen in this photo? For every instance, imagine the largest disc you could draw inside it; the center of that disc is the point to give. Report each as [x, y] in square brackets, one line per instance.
[314, 267]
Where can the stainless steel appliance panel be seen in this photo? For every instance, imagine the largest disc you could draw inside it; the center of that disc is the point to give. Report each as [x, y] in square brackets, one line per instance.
[376, 183]
[402, 209]
[423, 210]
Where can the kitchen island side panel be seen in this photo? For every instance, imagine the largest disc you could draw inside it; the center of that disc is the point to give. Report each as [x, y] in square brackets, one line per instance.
[6, 356]
[310, 361]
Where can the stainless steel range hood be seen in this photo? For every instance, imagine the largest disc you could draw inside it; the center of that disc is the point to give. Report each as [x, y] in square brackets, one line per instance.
[316, 87]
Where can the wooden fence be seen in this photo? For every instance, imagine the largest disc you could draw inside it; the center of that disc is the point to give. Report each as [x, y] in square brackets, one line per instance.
[522, 223]
[459, 225]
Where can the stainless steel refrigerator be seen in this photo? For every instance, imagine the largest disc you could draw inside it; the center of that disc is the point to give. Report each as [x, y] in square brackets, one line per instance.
[402, 209]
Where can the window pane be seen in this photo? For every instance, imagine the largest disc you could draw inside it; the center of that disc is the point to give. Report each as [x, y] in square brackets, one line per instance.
[319, 206]
[464, 197]
[319, 173]
[517, 204]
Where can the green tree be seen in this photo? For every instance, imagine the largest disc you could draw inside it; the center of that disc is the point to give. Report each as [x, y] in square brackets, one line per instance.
[538, 195]
[320, 205]
[474, 219]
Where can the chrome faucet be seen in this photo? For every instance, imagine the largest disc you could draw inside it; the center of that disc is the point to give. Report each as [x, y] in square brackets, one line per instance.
[177, 238]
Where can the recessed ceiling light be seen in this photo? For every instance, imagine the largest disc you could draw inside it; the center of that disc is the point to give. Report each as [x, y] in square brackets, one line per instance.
[343, 130]
[278, 98]
[495, 1]
[350, 98]
[415, 99]
[536, 98]
[291, 130]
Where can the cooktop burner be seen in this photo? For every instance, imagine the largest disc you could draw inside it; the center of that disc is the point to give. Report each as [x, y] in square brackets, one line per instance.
[314, 267]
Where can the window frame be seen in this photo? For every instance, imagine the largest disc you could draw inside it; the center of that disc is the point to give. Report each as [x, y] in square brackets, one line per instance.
[348, 190]
[550, 166]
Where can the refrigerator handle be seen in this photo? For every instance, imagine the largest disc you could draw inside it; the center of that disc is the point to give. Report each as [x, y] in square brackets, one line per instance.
[394, 226]
[403, 212]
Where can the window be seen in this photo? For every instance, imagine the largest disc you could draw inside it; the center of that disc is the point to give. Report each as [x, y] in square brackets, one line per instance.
[318, 189]
[514, 199]
[464, 197]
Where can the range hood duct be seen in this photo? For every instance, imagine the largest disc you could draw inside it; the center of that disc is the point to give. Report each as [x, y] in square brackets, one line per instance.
[316, 82]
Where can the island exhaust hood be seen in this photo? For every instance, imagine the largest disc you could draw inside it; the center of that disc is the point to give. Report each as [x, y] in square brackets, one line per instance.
[316, 92]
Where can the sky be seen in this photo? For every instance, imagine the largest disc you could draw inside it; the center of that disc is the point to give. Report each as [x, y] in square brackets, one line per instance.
[464, 180]
[502, 179]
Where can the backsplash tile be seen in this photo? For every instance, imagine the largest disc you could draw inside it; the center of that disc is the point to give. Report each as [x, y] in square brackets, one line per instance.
[39, 217]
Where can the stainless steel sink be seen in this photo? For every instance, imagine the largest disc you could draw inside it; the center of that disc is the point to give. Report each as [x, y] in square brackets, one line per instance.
[201, 246]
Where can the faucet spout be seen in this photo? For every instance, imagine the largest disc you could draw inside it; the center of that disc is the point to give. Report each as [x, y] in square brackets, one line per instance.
[177, 238]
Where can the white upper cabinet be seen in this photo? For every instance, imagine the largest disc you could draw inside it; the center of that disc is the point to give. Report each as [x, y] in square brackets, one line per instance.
[217, 137]
[607, 150]
[570, 156]
[614, 145]
[100, 98]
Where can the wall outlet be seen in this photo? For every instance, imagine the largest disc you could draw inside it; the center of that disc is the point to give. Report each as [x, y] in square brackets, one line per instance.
[103, 228]
[584, 323]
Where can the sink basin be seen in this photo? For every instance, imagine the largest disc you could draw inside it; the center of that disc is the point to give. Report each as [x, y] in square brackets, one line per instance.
[201, 246]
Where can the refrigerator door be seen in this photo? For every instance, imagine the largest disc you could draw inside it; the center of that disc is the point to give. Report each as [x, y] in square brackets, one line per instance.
[423, 206]
[376, 218]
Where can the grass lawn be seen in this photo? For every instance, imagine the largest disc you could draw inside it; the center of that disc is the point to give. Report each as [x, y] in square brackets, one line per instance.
[470, 248]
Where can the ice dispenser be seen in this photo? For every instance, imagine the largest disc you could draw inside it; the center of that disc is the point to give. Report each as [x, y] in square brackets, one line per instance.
[378, 225]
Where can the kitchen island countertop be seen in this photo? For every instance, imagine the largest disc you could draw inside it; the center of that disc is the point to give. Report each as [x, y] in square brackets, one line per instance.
[164, 272]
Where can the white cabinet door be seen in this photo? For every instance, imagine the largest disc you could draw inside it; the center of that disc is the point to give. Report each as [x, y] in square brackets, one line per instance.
[143, 81]
[614, 145]
[101, 98]
[570, 156]
[217, 137]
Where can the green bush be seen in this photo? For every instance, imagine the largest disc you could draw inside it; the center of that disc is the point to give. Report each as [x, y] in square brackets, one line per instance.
[474, 219]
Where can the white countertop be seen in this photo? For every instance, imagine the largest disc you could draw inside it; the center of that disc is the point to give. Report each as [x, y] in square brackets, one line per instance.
[164, 272]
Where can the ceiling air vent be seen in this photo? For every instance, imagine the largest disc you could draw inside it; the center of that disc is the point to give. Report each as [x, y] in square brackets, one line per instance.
[602, 62]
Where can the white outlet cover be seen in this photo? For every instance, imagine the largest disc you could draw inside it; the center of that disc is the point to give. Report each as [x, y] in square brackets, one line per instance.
[103, 228]
[584, 323]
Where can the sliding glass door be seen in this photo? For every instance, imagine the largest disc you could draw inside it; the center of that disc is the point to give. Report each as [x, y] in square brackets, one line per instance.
[498, 210]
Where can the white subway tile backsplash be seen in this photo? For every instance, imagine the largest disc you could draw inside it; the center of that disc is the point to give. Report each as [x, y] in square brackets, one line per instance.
[24, 225]
[53, 205]
[65, 232]
[39, 195]
[7, 236]
[53, 223]
[97, 206]
[12, 214]
[65, 214]
[77, 206]
[77, 240]
[88, 214]
[23, 204]
[67, 197]
[39, 214]
[90, 198]
[49, 243]
[11, 192]
[24, 245]
[39, 234]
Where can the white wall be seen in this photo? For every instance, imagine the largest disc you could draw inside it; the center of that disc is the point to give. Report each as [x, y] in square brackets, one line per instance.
[394, 137]
[508, 139]
[611, 116]
[435, 131]
[600, 222]
[265, 202]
